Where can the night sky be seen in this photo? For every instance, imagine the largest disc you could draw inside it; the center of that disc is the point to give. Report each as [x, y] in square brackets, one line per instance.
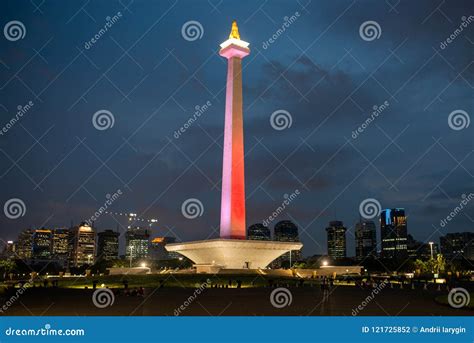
[319, 69]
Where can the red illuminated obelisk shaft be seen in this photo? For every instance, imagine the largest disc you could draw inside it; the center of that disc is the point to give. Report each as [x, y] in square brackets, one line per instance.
[233, 176]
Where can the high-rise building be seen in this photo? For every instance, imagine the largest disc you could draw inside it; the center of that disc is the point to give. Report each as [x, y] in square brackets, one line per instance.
[42, 243]
[8, 249]
[259, 232]
[393, 233]
[24, 244]
[366, 239]
[458, 245]
[286, 231]
[157, 249]
[336, 233]
[420, 250]
[107, 245]
[137, 242]
[83, 245]
[61, 244]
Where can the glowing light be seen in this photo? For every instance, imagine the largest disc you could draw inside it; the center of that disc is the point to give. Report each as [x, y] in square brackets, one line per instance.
[233, 179]
[143, 265]
[234, 41]
[325, 263]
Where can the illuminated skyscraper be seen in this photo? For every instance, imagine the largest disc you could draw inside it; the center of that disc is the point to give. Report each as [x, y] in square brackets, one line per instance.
[24, 244]
[393, 233]
[287, 231]
[366, 239]
[336, 233]
[83, 245]
[42, 243]
[458, 245]
[107, 245]
[61, 245]
[259, 232]
[137, 242]
[158, 251]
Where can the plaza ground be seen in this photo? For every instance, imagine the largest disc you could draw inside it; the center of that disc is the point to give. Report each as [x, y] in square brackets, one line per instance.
[309, 299]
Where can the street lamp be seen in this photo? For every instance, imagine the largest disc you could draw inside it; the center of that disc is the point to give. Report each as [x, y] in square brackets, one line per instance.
[325, 263]
[131, 255]
[431, 248]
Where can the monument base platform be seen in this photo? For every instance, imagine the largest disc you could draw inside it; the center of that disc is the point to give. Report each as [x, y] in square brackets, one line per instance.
[212, 255]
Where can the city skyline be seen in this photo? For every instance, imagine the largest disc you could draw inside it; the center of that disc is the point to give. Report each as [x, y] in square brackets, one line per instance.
[59, 178]
[367, 241]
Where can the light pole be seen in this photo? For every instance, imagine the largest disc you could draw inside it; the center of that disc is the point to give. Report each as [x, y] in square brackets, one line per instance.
[431, 248]
[131, 255]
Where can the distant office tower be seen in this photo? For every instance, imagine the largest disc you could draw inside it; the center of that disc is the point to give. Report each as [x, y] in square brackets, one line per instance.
[393, 233]
[420, 250]
[336, 240]
[366, 239]
[61, 245]
[8, 249]
[137, 242]
[458, 245]
[24, 244]
[286, 231]
[259, 232]
[83, 245]
[108, 245]
[159, 253]
[42, 243]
